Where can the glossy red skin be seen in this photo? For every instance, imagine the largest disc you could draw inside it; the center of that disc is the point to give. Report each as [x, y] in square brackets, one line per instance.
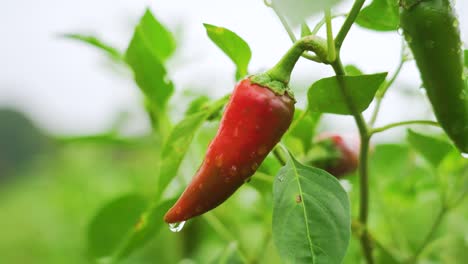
[254, 121]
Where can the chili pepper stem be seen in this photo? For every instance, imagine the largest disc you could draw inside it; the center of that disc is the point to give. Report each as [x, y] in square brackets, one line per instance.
[282, 70]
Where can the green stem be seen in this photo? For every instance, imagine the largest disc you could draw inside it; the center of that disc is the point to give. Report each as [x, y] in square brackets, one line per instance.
[282, 70]
[330, 42]
[363, 159]
[290, 32]
[322, 22]
[278, 156]
[283, 22]
[380, 95]
[404, 123]
[224, 233]
[429, 236]
[348, 23]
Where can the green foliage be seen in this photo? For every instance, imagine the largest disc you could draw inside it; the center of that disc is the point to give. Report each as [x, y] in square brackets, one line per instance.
[305, 30]
[98, 43]
[114, 220]
[326, 95]
[178, 142]
[311, 216]
[151, 44]
[233, 46]
[432, 149]
[380, 15]
[101, 198]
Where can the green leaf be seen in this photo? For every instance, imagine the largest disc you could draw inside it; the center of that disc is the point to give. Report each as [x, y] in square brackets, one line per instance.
[303, 127]
[145, 55]
[326, 95]
[311, 215]
[229, 255]
[96, 42]
[197, 104]
[146, 228]
[113, 221]
[432, 149]
[233, 46]
[353, 70]
[157, 38]
[297, 11]
[178, 142]
[380, 15]
[466, 58]
[305, 30]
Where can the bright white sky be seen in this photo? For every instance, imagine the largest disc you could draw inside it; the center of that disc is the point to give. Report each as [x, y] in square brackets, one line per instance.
[70, 88]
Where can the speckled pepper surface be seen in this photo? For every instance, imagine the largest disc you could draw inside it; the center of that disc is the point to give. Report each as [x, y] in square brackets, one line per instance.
[254, 121]
[431, 29]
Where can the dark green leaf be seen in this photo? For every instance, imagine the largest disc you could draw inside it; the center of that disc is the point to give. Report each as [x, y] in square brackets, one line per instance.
[178, 142]
[326, 95]
[297, 11]
[233, 46]
[380, 15]
[466, 58]
[311, 215]
[145, 228]
[111, 224]
[432, 149]
[96, 42]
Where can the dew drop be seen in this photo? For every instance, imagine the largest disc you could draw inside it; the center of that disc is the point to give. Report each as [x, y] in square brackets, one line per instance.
[233, 170]
[219, 160]
[422, 90]
[176, 227]
[280, 179]
[465, 155]
[400, 31]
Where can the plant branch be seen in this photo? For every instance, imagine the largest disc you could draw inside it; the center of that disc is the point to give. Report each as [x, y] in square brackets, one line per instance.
[278, 156]
[348, 23]
[363, 166]
[290, 32]
[429, 236]
[404, 123]
[224, 232]
[322, 22]
[330, 42]
[380, 95]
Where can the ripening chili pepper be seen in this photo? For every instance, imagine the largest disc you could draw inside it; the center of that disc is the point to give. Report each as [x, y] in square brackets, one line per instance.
[431, 30]
[257, 115]
[339, 154]
[254, 121]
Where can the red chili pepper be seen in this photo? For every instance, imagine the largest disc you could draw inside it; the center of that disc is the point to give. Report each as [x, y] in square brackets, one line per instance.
[348, 161]
[254, 121]
[341, 154]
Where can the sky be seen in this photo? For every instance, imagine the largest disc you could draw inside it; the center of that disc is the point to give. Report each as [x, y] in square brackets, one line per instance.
[69, 88]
